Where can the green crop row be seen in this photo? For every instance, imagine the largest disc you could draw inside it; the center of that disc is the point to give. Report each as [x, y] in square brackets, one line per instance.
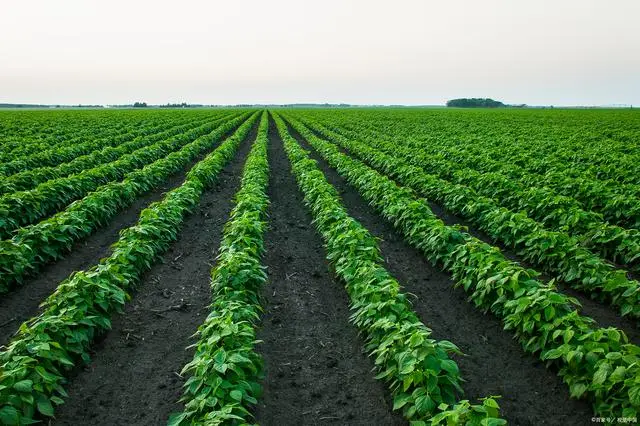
[560, 213]
[556, 252]
[564, 168]
[616, 201]
[29, 179]
[36, 125]
[599, 147]
[423, 379]
[35, 245]
[25, 207]
[68, 149]
[63, 133]
[225, 370]
[34, 364]
[556, 212]
[596, 363]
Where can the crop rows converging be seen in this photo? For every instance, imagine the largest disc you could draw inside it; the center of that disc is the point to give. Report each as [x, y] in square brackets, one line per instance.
[206, 266]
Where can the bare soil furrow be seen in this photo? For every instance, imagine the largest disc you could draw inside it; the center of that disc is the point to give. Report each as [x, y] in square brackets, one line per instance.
[23, 302]
[495, 363]
[604, 314]
[316, 372]
[134, 378]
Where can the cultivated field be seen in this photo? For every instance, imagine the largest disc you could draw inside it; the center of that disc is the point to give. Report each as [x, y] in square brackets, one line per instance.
[337, 266]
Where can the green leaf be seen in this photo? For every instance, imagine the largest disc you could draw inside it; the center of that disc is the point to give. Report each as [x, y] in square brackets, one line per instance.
[236, 394]
[406, 383]
[9, 415]
[578, 389]
[553, 354]
[568, 334]
[425, 405]
[400, 400]
[176, 418]
[23, 386]
[613, 355]
[490, 402]
[634, 395]
[613, 334]
[549, 312]
[618, 374]
[493, 422]
[450, 366]
[45, 407]
[574, 354]
[601, 375]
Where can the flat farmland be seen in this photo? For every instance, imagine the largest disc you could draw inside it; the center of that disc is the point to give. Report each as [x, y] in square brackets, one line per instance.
[360, 266]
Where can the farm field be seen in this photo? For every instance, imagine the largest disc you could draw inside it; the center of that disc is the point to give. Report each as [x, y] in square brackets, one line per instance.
[352, 266]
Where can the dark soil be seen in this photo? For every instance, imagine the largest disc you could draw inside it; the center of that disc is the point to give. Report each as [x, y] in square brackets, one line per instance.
[134, 378]
[495, 364]
[23, 302]
[604, 314]
[316, 372]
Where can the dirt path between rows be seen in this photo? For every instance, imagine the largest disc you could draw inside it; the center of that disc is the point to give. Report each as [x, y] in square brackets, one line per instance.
[133, 378]
[316, 373]
[23, 302]
[604, 314]
[495, 364]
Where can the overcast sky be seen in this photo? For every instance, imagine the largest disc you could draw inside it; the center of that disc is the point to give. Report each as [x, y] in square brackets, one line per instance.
[284, 51]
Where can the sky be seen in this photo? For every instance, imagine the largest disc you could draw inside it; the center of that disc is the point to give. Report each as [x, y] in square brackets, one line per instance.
[414, 52]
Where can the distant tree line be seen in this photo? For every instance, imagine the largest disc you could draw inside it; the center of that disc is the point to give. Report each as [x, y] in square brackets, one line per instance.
[169, 105]
[475, 103]
[182, 105]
